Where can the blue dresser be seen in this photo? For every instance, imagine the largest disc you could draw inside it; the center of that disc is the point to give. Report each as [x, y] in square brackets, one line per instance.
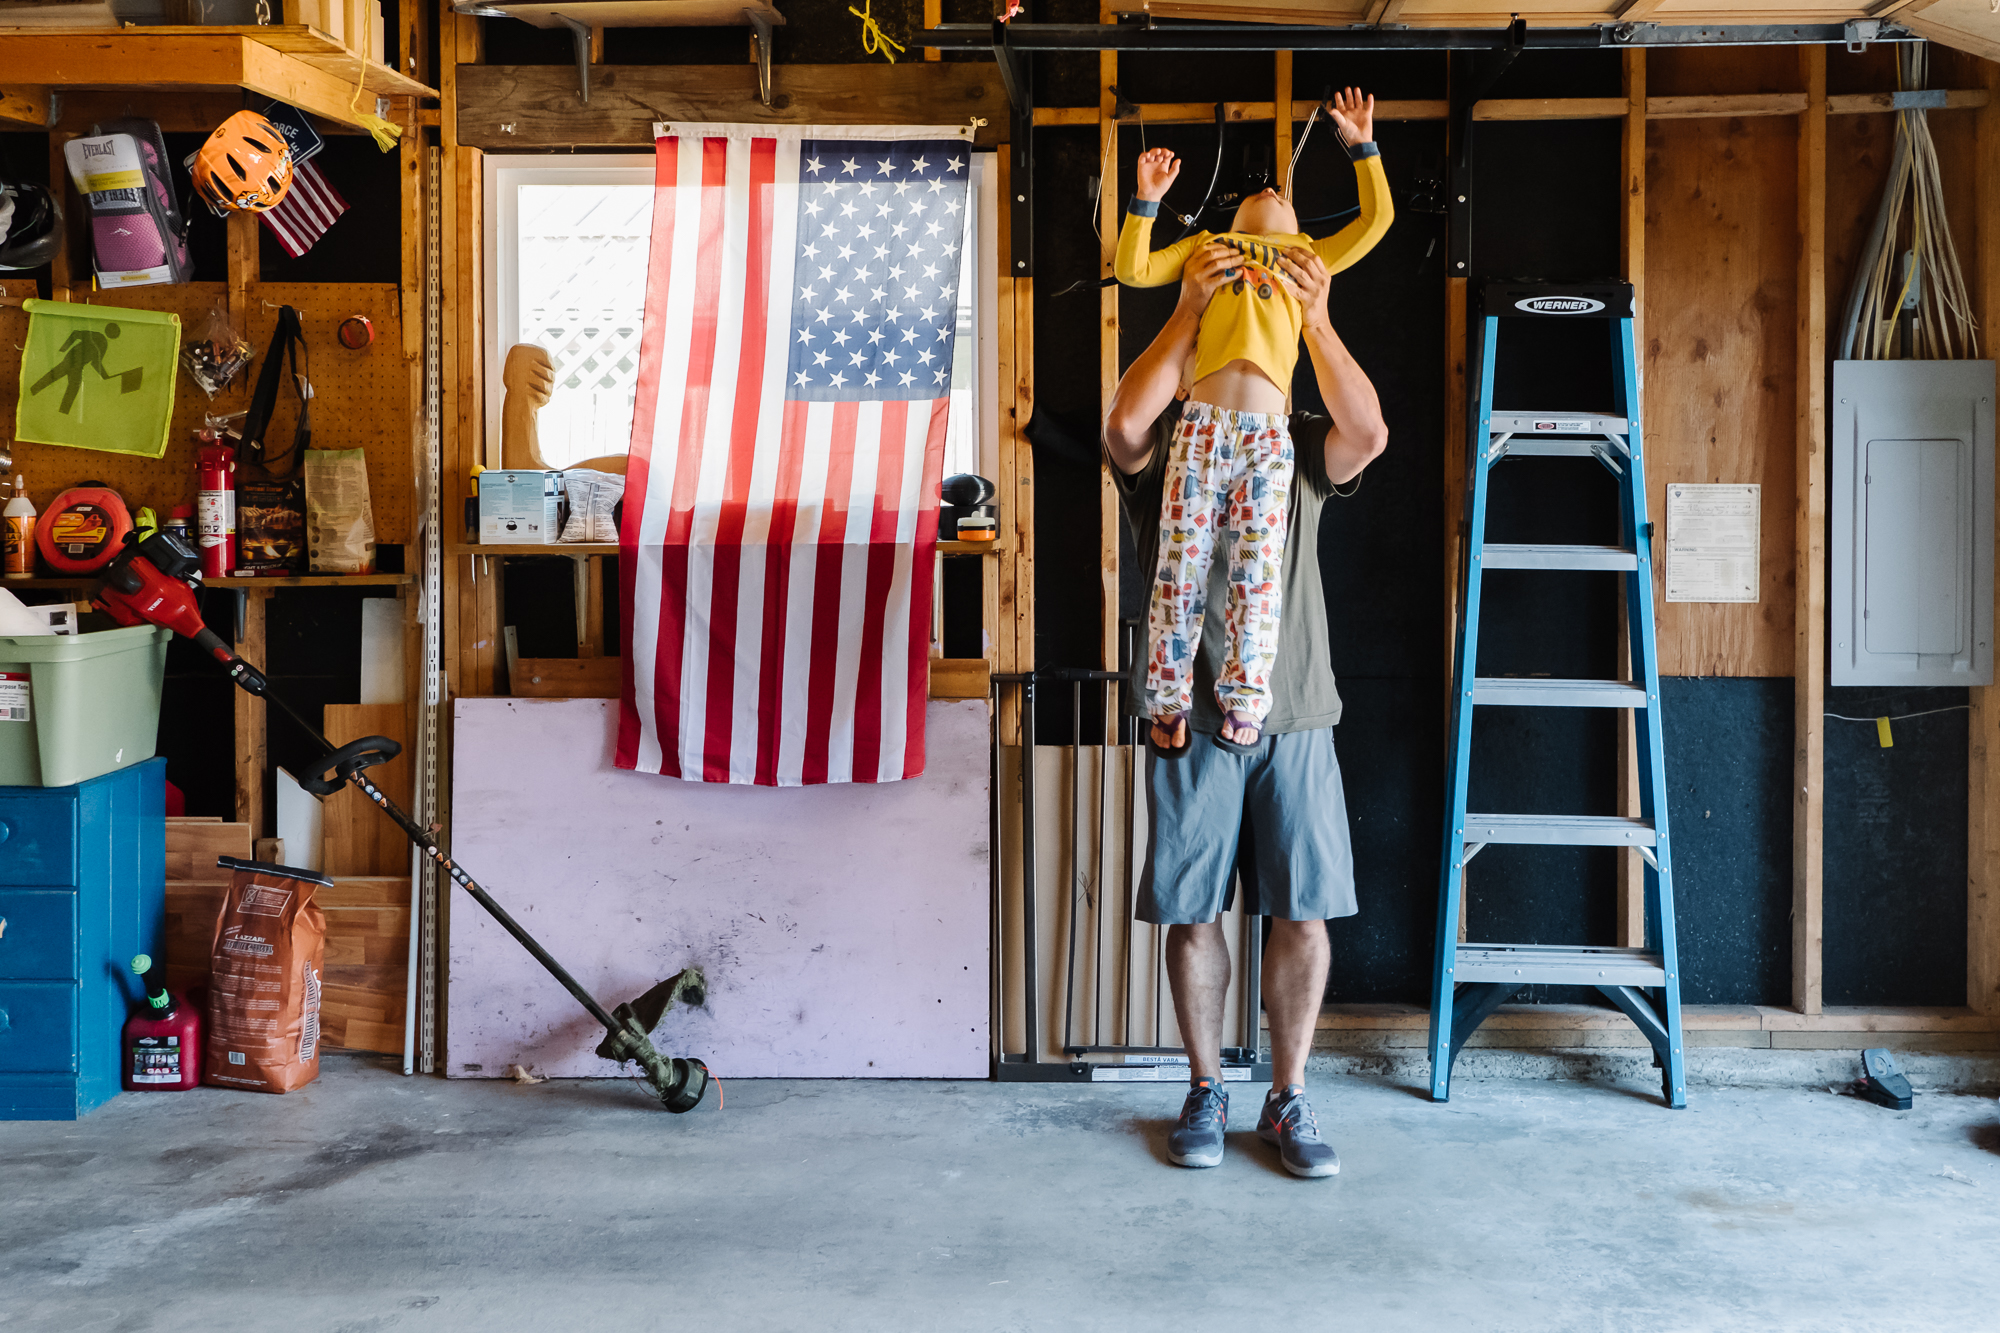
[82, 889]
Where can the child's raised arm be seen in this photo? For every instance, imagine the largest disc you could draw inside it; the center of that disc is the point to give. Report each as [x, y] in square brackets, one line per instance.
[1137, 264]
[1354, 116]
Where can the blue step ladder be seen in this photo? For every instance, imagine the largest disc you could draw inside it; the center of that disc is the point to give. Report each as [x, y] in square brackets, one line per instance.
[1471, 981]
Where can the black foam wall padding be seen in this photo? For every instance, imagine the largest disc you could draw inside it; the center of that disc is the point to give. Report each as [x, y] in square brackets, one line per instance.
[1729, 819]
[1895, 849]
[364, 244]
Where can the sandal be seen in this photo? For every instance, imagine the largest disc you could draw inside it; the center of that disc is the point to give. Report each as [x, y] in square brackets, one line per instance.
[1171, 723]
[1240, 722]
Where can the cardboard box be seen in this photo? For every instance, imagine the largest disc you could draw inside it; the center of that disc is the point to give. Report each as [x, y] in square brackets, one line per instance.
[520, 506]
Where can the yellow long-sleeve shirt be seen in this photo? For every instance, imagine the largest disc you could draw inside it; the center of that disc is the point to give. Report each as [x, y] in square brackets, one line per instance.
[1257, 318]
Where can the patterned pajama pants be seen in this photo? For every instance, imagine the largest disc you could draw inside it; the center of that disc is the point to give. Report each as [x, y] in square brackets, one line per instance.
[1229, 478]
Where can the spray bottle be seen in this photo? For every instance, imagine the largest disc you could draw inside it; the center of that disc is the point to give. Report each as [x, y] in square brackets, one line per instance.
[215, 504]
[20, 532]
[162, 1037]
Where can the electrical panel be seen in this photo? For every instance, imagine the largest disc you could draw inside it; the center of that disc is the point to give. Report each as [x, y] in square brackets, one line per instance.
[1911, 546]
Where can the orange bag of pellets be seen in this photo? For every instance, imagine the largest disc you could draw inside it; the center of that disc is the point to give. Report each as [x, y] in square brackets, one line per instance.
[264, 982]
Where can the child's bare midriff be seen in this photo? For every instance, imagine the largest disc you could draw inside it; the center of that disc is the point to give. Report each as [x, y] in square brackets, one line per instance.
[1241, 387]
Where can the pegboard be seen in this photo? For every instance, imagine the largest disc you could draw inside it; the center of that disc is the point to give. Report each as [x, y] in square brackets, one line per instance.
[362, 400]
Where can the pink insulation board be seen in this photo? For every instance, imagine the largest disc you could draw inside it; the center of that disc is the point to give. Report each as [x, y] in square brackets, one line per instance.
[843, 929]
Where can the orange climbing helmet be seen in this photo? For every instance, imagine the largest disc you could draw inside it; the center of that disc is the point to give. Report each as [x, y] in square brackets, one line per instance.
[246, 164]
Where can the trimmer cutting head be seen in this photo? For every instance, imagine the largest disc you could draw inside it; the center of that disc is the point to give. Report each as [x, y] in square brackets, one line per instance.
[679, 1082]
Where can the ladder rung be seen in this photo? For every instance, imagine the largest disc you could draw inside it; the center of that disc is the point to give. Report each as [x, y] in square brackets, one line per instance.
[1559, 965]
[1539, 692]
[1499, 555]
[1560, 830]
[1557, 423]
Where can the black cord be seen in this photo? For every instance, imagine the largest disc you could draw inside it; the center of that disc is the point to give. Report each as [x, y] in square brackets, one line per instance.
[1213, 177]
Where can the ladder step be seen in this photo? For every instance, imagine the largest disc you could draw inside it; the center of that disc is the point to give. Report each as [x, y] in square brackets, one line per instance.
[1541, 692]
[1557, 423]
[1559, 830]
[1558, 965]
[1499, 555]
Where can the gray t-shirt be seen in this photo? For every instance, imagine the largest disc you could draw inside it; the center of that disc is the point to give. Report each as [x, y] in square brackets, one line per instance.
[1303, 697]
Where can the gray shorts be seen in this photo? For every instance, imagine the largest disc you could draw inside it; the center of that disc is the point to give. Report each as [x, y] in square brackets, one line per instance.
[1279, 818]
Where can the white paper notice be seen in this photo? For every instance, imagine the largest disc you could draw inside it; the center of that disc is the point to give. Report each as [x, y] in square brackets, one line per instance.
[1712, 543]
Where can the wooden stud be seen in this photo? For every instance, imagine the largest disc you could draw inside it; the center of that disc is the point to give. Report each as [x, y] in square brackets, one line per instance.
[26, 107]
[933, 15]
[1281, 119]
[1023, 536]
[1108, 517]
[1632, 240]
[1982, 926]
[252, 750]
[1005, 483]
[1809, 544]
[75, 238]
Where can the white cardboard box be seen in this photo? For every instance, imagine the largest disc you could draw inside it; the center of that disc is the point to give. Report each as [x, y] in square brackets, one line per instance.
[518, 506]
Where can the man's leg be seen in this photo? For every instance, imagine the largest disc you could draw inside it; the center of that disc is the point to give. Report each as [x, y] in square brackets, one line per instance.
[1295, 963]
[1198, 971]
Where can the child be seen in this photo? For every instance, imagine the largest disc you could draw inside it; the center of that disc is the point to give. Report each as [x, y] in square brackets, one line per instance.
[1230, 464]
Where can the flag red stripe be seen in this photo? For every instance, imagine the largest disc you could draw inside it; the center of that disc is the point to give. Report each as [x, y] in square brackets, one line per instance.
[645, 407]
[777, 583]
[725, 588]
[701, 335]
[826, 592]
[923, 559]
[868, 719]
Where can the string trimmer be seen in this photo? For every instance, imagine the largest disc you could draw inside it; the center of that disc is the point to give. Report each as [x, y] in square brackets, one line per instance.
[153, 582]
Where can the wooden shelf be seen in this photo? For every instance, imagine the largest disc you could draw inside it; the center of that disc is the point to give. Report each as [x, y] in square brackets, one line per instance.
[297, 65]
[243, 585]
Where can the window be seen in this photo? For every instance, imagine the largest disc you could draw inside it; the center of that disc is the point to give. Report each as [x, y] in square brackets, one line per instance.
[566, 246]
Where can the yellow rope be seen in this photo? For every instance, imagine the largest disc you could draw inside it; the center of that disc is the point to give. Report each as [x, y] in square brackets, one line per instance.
[873, 40]
[385, 133]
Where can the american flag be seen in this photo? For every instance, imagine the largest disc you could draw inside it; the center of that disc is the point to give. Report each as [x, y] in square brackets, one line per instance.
[787, 436]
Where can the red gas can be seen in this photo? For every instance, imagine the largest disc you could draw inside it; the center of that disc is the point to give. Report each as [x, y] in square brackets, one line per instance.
[162, 1038]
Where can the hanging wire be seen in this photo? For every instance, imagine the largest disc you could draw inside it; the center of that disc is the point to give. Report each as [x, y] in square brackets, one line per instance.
[1925, 274]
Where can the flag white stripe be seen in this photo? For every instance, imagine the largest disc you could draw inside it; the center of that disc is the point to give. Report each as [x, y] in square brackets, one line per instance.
[896, 617]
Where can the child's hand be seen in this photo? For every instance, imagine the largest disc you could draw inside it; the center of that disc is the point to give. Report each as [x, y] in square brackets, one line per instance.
[1353, 115]
[1158, 169]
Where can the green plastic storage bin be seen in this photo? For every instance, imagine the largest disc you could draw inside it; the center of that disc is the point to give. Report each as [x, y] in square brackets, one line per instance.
[90, 706]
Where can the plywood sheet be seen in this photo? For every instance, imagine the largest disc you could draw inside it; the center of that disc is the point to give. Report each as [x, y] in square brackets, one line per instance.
[843, 928]
[194, 844]
[1721, 302]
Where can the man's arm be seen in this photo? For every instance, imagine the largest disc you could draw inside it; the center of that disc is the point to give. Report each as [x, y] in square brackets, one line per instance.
[1359, 434]
[1148, 385]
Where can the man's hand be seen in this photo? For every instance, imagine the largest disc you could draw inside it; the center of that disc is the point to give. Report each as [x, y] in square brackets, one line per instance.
[1158, 170]
[1353, 115]
[1310, 282]
[1203, 275]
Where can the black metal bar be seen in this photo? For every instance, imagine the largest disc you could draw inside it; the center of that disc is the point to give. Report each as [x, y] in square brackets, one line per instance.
[1031, 942]
[1018, 39]
[1075, 793]
[996, 983]
[1097, 878]
[1017, 75]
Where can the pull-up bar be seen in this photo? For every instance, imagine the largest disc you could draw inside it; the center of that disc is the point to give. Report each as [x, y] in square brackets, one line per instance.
[1168, 35]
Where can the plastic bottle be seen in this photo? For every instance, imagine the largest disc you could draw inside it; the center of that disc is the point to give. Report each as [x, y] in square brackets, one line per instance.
[162, 1037]
[20, 523]
[181, 523]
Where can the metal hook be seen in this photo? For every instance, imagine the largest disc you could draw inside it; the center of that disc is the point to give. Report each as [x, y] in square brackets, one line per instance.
[760, 22]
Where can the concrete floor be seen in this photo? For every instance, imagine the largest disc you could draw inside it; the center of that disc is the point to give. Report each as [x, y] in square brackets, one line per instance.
[370, 1201]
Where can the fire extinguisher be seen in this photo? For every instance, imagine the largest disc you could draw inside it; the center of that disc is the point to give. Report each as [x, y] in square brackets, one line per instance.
[215, 504]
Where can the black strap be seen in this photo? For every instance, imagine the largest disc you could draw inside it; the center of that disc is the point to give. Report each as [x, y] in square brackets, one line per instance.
[288, 339]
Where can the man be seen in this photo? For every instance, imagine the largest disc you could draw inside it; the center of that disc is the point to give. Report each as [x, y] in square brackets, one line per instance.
[1284, 801]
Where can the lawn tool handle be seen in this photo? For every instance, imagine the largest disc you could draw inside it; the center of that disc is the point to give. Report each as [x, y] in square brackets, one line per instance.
[150, 583]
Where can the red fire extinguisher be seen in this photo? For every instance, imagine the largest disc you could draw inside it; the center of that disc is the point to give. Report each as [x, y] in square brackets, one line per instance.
[162, 1037]
[215, 504]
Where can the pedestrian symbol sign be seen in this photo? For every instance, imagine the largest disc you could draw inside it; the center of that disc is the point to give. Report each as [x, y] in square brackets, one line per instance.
[98, 377]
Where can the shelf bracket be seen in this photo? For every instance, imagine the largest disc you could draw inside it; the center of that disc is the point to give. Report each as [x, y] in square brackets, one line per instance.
[579, 35]
[760, 23]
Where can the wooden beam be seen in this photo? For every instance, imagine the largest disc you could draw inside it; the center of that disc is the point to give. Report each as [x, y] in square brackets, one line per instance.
[1549, 108]
[1710, 107]
[1632, 244]
[1281, 118]
[1851, 104]
[1809, 546]
[1631, 11]
[252, 748]
[523, 107]
[1982, 924]
[245, 265]
[570, 678]
[25, 106]
[1006, 490]
[1107, 360]
[1384, 11]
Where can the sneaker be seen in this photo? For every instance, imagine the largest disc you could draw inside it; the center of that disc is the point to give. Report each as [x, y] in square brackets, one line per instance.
[1288, 1122]
[1196, 1139]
